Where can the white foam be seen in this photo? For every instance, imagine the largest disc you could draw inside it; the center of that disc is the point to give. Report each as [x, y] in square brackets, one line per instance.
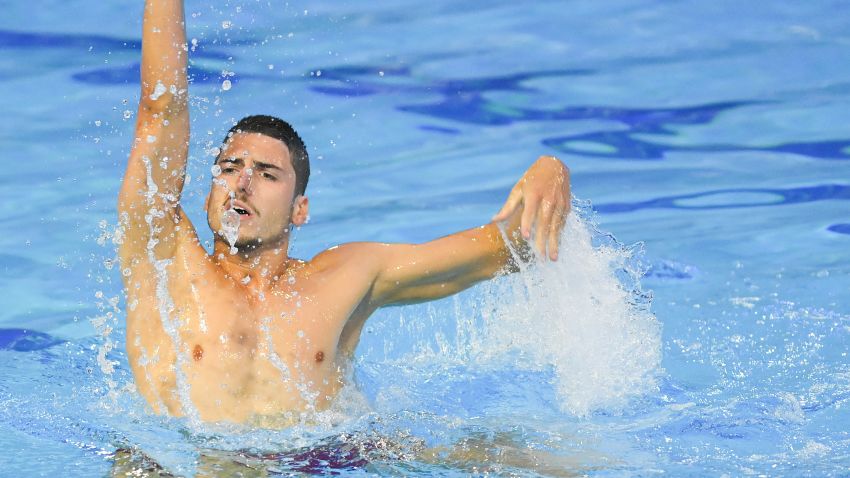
[583, 315]
[230, 222]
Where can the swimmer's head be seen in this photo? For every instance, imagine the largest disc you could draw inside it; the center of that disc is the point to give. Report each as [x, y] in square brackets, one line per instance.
[259, 182]
[281, 130]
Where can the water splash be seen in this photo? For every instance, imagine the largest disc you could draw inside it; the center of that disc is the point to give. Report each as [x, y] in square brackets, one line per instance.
[585, 316]
[165, 303]
[269, 351]
[582, 323]
[230, 222]
[230, 228]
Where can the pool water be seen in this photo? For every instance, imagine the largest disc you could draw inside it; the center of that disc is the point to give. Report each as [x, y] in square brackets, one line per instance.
[700, 328]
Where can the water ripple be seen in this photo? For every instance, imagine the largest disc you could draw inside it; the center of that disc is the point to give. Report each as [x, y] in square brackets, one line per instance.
[754, 197]
[23, 340]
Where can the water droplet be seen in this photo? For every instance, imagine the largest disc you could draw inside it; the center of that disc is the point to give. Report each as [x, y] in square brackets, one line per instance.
[128, 114]
[158, 91]
[215, 170]
[226, 85]
[230, 227]
[226, 24]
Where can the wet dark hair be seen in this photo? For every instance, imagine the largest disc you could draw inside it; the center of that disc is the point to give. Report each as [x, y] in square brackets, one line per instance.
[279, 129]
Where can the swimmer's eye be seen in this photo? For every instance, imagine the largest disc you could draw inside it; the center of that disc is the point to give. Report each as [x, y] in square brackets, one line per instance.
[228, 165]
[269, 176]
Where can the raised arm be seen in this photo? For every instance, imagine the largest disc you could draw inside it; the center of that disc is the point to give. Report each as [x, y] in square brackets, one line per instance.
[148, 203]
[536, 209]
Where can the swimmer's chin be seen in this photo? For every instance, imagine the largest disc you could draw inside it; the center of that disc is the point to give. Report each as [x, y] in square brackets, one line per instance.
[242, 244]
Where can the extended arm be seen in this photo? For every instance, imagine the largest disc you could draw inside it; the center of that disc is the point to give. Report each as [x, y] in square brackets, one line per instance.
[148, 202]
[539, 202]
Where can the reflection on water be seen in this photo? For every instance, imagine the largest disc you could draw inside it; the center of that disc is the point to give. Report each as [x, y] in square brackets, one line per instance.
[736, 198]
[624, 145]
[460, 100]
[840, 228]
[23, 340]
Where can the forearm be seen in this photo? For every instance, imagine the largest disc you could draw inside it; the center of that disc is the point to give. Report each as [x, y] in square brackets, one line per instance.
[514, 246]
[470, 256]
[413, 273]
[164, 57]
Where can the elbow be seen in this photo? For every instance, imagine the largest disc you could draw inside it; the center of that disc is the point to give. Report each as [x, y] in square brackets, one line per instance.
[162, 100]
[162, 106]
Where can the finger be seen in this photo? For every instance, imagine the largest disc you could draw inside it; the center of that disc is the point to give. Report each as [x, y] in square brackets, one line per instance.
[544, 219]
[529, 211]
[559, 217]
[514, 198]
[567, 196]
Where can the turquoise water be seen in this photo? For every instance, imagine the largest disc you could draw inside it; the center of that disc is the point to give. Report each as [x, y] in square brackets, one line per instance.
[714, 133]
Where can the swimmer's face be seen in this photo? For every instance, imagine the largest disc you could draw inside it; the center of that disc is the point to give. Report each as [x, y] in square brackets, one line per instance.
[257, 181]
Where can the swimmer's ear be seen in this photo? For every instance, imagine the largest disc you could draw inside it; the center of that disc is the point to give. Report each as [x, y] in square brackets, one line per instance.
[300, 210]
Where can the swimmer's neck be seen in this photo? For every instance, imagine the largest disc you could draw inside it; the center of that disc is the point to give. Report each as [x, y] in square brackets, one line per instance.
[258, 268]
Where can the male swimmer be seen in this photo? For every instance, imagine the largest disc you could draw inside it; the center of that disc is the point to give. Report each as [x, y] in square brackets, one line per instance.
[249, 334]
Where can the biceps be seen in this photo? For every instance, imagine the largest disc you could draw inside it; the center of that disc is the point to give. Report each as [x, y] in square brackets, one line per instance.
[418, 273]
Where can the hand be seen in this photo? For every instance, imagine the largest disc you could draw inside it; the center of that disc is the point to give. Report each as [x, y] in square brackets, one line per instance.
[544, 193]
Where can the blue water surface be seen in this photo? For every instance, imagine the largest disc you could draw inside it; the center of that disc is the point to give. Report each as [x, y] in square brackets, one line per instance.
[713, 132]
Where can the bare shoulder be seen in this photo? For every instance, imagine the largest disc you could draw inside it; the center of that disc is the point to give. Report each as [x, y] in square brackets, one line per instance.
[362, 255]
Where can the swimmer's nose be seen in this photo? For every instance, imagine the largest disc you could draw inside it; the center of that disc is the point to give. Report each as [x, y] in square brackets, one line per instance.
[244, 181]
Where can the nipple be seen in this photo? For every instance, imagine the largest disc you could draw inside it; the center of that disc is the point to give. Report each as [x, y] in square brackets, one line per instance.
[320, 356]
[197, 353]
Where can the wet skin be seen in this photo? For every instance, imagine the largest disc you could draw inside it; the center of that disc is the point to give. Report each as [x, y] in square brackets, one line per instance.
[258, 336]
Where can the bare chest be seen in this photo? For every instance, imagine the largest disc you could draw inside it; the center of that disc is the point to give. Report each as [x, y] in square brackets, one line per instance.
[239, 354]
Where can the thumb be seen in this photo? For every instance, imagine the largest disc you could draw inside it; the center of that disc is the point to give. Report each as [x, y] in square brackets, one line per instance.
[514, 199]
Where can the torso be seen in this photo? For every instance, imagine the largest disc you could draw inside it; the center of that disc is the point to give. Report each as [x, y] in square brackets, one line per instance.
[243, 356]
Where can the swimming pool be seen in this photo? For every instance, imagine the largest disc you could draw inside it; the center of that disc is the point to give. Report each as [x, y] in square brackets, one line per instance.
[713, 132]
